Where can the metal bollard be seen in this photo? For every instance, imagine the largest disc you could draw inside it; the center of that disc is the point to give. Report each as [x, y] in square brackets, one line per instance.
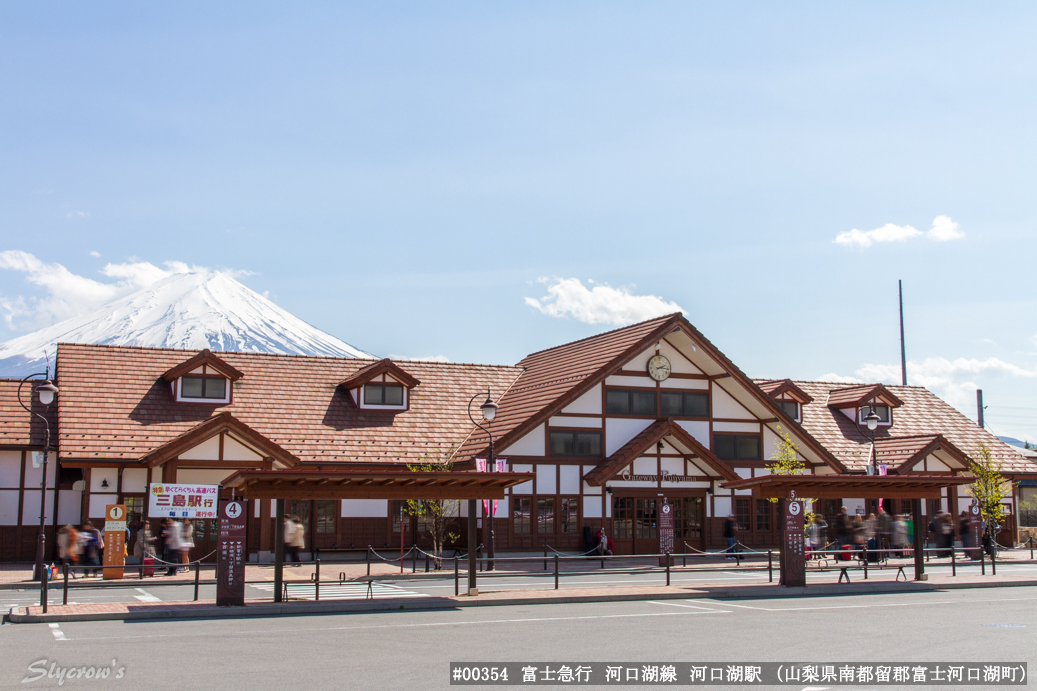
[369, 560]
[993, 560]
[44, 584]
[982, 561]
[316, 583]
[770, 567]
[864, 551]
[545, 557]
[413, 559]
[64, 595]
[426, 563]
[556, 572]
[457, 578]
[197, 576]
[954, 561]
[667, 569]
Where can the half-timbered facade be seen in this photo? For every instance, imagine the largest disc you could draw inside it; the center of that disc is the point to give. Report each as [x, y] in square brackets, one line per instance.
[610, 426]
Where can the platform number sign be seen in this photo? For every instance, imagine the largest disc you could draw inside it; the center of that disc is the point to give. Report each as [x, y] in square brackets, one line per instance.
[793, 551]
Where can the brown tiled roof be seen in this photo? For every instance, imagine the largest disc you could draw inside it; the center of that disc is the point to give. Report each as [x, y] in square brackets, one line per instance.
[777, 387]
[383, 366]
[551, 377]
[19, 429]
[922, 414]
[902, 453]
[626, 454]
[218, 423]
[114, 405]
[205, 357]
[856, 396]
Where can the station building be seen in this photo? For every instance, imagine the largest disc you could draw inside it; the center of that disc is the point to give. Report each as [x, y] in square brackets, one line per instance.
[610, 425]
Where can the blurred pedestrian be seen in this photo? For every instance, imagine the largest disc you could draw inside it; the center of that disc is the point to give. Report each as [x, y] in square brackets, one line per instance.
[729, 535]
[91, 545]
[171, 545]
[186, 542]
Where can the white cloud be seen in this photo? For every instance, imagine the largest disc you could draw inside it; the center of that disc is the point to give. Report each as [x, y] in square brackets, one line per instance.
[600, 304]
[95, 254]
[955, 381]
[68, 294]
[430, 358]
[943, 229]
[78, 214]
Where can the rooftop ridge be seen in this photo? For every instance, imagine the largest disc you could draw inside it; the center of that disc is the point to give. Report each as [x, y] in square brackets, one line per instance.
[604, 333]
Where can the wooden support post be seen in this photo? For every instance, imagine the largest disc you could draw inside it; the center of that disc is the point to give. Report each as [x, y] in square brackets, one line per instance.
[279, 550]
[916, 519]
[472, 535]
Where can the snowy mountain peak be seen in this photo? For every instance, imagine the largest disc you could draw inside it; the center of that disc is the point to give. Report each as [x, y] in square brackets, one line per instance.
[194, 310]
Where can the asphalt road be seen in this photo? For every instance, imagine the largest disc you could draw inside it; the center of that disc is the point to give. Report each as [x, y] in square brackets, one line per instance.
[413, 649]
[153, 589]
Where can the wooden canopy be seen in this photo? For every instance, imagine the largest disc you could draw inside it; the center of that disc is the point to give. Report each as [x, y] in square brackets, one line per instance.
[848, 486]
[371, 484]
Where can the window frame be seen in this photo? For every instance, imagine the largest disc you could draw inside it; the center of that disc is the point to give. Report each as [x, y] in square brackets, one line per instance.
[863, 411]
[798, 417]
[517, 517]
[405, 405]
[684, 393]
[574, 431]
[738, 502]
[228, 387]
[757, 436]
[630, 390]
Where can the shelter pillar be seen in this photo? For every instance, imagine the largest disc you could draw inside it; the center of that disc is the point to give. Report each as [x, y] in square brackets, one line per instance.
[472, 535]
[279, 550]
[916, 519]
[265, 541]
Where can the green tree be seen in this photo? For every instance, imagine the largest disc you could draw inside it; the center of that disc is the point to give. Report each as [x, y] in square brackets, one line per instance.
[989, 488]
[787, 462]
[436, 516]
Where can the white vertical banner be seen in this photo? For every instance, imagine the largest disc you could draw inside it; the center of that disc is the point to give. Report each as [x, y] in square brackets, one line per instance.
[480, 465]
[502, 464]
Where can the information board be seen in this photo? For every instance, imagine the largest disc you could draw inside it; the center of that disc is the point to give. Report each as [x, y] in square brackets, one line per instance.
[230, 553]
[182, 501]
[114, 541]
[793, 557]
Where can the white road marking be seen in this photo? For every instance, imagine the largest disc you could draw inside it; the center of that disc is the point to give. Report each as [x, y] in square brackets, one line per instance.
[283, 632]
[59, 635]
[675, 604]
[346, 591]
[145, 596]
[888, 604]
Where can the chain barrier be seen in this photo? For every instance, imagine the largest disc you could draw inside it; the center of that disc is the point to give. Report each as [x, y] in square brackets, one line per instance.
[394, 560]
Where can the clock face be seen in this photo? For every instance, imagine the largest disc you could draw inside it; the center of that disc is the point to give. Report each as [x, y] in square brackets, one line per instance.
[658, 367]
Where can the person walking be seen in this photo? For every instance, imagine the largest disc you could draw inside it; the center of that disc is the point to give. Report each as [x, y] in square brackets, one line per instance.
[291, 532]
[899, 534]
[91, 545]
[817, 532]
[729, 535]
[68, 545]
[300, 537]
[171, 546]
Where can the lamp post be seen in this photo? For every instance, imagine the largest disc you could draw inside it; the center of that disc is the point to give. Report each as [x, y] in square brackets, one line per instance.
[489, 411]
[46, 392]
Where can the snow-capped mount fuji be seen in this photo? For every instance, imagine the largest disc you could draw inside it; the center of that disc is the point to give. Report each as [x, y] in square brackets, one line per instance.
[193, 310]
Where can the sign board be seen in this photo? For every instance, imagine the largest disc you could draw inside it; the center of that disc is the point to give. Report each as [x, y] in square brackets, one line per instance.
[182, 501]
[665, 529]
[114, 541]
[230, 553]
[793, 557]
[975, 531]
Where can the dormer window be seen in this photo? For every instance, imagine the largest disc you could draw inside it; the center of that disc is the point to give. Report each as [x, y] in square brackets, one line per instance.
[205, 378]
[381, 385]
[203, 387]
[882, 411]
[383, 394]
[792, 409]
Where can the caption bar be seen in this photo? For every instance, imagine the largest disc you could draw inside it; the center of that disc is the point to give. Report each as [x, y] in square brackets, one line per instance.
[724, 673]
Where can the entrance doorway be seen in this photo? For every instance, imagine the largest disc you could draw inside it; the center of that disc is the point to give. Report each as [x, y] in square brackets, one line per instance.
[635, 523]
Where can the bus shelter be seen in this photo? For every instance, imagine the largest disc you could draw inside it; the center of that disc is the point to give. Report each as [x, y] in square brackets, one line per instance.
[280, 485]
[792, 489]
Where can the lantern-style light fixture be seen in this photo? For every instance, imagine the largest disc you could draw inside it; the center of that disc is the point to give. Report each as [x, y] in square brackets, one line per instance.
[47, 391]
[872, 420]
[489, 409]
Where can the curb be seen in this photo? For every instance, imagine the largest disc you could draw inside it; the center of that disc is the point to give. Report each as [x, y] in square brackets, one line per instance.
[17, 616]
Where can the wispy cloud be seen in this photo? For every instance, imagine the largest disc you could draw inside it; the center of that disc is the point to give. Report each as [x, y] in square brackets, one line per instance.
[77, 214]
[430, 358]
[95, 254]
[943, 229]
[955, 381]
[599, 304]
[68, 294]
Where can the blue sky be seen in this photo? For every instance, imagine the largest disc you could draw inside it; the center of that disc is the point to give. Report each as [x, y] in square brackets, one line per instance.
[405, 175]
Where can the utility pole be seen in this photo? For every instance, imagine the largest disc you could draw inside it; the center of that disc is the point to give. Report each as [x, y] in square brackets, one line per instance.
[979, 407]
[903, 350]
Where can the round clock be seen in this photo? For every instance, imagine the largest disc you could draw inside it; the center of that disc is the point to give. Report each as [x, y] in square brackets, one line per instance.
[658, 367]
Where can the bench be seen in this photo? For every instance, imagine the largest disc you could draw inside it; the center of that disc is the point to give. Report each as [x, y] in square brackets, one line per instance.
[845, 573]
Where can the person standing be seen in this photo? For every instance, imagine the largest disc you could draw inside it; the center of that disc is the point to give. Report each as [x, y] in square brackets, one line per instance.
[91, 543]
[290, 528]
[899, 530]
[299, 538]
[729, 535]
[171, 546]
[186, 543]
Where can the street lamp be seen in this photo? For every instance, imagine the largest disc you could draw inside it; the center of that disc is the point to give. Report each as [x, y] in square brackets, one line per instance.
[871, 421]
[46, 392]
[489, 411]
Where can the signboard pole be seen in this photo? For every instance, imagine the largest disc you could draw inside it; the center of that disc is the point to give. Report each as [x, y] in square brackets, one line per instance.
[230, 553]
[665, 532]
[975, 531]
[793, 559]
[114, 541]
